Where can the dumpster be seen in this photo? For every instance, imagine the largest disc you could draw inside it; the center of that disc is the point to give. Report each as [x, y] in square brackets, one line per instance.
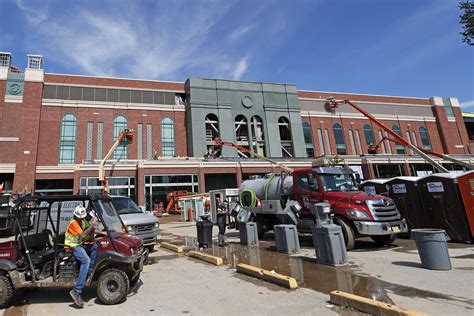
[444, 206]
[406, 195]
[374, 186]
[432, 247]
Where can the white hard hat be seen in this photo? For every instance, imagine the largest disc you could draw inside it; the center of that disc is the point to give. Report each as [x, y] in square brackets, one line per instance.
[80, 212]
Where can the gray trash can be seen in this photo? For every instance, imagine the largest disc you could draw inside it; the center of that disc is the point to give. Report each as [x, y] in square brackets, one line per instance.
[329, 244]
[432, 247]
[286, 238]
[248, 233]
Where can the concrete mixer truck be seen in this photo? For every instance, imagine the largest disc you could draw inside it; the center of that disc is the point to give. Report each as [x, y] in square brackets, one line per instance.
[358, 213]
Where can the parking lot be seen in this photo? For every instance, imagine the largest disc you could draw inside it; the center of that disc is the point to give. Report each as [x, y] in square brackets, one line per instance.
[176, 284]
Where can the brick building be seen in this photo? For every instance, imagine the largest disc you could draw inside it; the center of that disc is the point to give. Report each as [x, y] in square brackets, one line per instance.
[55, 128]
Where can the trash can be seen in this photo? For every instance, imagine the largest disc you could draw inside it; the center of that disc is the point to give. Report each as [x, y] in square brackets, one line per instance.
[204, 232]
[286, 238]
[432, 247]
[248, 233]
[329, 244]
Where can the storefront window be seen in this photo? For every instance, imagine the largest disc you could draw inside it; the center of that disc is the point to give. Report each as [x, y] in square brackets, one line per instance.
[123, 186]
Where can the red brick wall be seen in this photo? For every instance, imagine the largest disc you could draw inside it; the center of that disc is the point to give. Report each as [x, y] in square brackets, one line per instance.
[29, 130]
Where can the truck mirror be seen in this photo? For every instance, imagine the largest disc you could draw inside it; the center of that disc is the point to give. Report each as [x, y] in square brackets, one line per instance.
[310, 181]
[357, 175]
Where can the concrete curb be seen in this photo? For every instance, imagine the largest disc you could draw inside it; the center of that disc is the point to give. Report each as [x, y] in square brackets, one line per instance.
[369, 306]
[266, 275]
[218, 261]
[172, 247]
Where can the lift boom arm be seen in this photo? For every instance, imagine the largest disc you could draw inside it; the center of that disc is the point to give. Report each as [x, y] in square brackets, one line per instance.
[218, 144]
[125, 134]
[332, 104]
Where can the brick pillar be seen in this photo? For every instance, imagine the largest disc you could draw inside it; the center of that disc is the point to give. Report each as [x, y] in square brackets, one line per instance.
[77, 180]
[407, 169]
[140, 185]
[202, 179]
[29, 131]
[239, 175]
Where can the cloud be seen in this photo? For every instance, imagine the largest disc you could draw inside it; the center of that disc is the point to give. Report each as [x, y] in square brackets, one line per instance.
[468, 106]
[35, 14]
[240, 68]
[159, 41]
[240, 32]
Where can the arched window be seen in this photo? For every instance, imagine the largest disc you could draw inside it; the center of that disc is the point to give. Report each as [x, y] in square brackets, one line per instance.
[285, 137]
[167, 137]
[120, 124]
[258, 134]
[425, 139]
[339, 137]
[242, 132]
[212, 130]
[67, 144]
[400, 148]
[369, 135]
[308, 139]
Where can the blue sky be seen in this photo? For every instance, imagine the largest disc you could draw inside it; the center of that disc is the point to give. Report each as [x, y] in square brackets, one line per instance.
[389, 47]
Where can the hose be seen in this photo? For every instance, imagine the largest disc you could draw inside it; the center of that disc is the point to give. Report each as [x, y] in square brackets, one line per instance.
[267, 185]
[246, 196]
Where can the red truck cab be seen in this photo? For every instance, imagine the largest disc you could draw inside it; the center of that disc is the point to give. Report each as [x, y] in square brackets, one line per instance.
[358, 213]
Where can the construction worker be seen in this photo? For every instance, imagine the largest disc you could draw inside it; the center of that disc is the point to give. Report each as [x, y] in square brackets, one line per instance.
[78, 240]
[221, 214]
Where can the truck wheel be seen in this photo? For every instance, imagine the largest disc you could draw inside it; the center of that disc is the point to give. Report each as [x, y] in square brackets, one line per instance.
[349, 236]
[113, 286]
[383, 240]
[134, 280]
[6, 292]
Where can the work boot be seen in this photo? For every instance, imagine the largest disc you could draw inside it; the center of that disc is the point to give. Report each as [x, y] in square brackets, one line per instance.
[221, 240]
[76, 297]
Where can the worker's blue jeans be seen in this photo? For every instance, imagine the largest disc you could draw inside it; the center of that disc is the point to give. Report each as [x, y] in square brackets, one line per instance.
[86, 255]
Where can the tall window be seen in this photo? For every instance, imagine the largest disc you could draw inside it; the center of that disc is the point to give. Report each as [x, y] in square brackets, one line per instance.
[167, 137]
[308, 139]
[285, 137]
[67, 145]
[339, 137]
[425, 139]
[212, 130]
[369, 135]
[120, 124]
[258, 135]
[242, 132]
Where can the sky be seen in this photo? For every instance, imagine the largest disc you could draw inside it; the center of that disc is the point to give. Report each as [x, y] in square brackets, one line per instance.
[386, 47]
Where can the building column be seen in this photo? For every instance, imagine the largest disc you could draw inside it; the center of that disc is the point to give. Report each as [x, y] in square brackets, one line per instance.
[407, 169]
[29, 131]
[238, 175]
[140, 185]
[77, 181]
[202, 179]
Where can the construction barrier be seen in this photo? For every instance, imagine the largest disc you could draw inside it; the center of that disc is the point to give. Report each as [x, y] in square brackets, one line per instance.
[369, 306]
[270, 276]
[218, 261]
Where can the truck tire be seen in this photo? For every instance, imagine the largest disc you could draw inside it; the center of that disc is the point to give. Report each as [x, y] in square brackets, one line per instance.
[347, 231]
[384, 240]
[113, 286]
[6, 292]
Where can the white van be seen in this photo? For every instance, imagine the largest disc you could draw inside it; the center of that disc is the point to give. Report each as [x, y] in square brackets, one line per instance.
[142, 225]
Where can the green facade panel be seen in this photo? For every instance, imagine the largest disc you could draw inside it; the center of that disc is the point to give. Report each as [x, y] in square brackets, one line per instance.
[227, 99]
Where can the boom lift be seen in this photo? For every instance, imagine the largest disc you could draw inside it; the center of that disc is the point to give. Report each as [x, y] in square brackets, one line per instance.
[218, 144]
[126, 134]
[333, 104]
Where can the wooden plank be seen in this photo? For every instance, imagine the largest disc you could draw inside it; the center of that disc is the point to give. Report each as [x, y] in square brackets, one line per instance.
[270, 276]
[175, 248]
[369, 306]
[218, 261]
